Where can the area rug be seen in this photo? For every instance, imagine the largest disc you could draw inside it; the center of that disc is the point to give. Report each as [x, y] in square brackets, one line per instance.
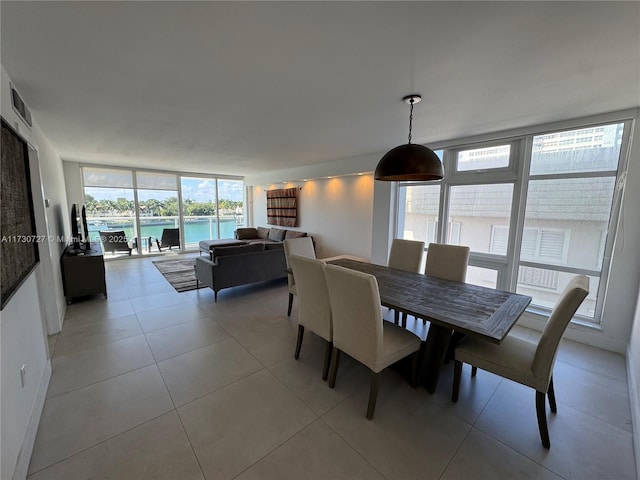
[179, 273]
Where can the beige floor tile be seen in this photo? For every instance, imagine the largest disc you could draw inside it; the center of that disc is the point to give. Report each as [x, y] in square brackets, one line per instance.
[236, 426]
[74, 339]
[594, 359]
[238, 320]
[80, 419]
[315, 453]
[475, 392]
[582, 447]
[156, 450]
[164, 299]
[304, 376]
[91, 365]
[598, 395]
[146, 288]
[95, 310]
[481, 458]
[172, 341]
[199, 372]
[271, 343]
[409, 436]
[171, 315]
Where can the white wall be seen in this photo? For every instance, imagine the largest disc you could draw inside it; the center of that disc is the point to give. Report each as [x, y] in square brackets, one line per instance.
[336, 229]
[37, 306]
[633, 374]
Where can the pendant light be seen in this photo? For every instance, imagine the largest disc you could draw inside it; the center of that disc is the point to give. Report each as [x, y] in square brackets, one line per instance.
[410, 161]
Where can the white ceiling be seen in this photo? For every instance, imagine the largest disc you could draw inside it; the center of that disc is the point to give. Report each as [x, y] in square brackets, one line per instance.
[243, 87]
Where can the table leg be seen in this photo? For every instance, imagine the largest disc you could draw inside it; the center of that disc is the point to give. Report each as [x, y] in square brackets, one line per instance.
[434, 354]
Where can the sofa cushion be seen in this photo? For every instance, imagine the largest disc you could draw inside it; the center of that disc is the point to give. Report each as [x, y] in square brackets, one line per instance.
[277, 234]
[263, 232]
[236, 250]
[246, 233]
[294, 234]
[274, 246]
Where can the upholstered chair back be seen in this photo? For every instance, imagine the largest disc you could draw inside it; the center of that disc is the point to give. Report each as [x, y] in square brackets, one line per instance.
[406, 255]
[302, 246]
[572, 296]
[357, 320]
[448, 262]
[314, 311]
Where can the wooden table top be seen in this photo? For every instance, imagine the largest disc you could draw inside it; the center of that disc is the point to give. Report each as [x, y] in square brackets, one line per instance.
[465, 308]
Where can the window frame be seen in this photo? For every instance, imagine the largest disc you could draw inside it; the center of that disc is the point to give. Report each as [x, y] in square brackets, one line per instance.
[518, 172]
[179, 175]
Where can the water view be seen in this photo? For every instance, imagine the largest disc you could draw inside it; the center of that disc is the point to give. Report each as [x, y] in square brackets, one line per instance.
[194, 229]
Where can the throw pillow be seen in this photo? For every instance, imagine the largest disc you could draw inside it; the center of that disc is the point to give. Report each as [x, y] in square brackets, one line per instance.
[277, 234]
[295, 234]
[246, 233]
[263, 233]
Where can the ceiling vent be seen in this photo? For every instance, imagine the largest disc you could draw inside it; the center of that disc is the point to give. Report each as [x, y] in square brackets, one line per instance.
[19, 106]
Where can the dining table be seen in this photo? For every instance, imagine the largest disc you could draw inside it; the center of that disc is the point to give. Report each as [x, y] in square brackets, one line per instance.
[454, 310]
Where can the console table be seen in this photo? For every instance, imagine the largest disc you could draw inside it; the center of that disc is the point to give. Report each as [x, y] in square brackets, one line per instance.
[83, 272]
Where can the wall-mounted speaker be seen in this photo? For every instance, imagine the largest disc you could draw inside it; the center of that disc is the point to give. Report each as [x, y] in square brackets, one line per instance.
[19, 106]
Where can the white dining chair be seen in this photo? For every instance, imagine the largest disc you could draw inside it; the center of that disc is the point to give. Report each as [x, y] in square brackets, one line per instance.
[302, 246]
[314, 311]
[405, 255]
[359, 330]
[523, 361]
[448, 262]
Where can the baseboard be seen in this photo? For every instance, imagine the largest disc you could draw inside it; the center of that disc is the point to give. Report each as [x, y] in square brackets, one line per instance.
[634, 404]
[24, 457]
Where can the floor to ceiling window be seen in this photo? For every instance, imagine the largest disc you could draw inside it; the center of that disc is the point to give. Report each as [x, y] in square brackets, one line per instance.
[144, 203]
[110, 202]
[212, 208]
[535, 209]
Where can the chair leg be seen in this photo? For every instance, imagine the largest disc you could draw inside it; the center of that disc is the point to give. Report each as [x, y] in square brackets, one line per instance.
[327, 360]
[215, 296]
[335, 360]
[552, 396]
[542, 419]
[414, 368]
[396, 317]
[404, 319]
[290, 304]
[457, 376]
[299, 341]
[474, 371]
[373, 394]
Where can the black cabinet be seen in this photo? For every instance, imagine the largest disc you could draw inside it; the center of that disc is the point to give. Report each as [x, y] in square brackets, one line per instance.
[83, 272]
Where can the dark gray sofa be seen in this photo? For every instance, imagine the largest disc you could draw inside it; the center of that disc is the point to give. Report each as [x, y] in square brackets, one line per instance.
[232, 266]
[247, 235]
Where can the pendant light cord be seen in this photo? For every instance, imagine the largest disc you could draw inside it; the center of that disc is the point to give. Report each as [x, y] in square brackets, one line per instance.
[410, 118]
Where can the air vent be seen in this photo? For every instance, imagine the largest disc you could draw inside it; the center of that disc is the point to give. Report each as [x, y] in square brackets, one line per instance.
[19, 106]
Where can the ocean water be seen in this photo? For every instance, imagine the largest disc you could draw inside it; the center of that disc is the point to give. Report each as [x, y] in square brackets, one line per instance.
[194, 231]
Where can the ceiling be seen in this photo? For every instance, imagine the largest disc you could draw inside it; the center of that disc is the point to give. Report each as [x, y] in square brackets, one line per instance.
[240, 87]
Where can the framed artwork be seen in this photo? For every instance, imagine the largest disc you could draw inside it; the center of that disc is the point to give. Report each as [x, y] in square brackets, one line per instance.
[282, 208]
[19, 242]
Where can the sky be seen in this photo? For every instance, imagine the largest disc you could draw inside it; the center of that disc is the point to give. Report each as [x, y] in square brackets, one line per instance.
[196, 189]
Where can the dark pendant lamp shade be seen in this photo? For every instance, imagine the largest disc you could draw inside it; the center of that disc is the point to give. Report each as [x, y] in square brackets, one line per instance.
[410, 162]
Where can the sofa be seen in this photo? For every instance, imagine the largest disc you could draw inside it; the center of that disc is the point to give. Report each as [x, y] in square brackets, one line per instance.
[234, 265]
[249, 235]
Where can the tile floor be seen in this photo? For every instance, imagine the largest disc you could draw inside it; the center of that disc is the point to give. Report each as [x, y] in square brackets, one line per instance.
[152, 384]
